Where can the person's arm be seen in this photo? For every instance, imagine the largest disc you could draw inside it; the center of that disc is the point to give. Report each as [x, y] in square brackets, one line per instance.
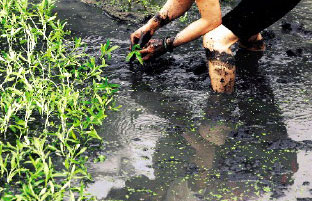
[170, 11]
[210, 18]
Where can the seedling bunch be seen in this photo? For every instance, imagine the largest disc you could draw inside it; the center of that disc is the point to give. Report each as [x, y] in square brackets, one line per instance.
[52, 96]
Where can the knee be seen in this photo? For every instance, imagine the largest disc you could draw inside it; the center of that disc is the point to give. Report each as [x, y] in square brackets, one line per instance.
[220, 39]
[209, 40]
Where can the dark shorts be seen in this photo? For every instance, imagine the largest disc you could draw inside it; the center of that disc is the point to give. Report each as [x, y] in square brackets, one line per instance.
[250, 17]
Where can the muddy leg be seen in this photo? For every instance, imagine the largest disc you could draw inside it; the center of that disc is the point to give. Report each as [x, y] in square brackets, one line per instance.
[222, 76]
[220, 60]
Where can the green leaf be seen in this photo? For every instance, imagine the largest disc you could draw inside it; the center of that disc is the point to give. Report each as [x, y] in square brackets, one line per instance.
[51, 18]
[94, 134]
[81, 151]
[113, 48]
[107, 44]
[136, 47]
[129, 56]
[139, 57]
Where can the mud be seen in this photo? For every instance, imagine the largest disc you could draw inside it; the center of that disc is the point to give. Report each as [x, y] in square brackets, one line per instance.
[137, 15]
[161, 20]
[175, 139]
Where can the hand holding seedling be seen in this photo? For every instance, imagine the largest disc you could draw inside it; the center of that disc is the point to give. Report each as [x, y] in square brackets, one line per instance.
[210, 19]
[157, 47]
[138, 39]
[154, 48]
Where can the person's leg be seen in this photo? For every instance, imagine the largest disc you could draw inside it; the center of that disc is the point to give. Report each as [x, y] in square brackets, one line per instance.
[243, 23]
[250, 17]
[220, 62]
[246, 20]
[220, 39]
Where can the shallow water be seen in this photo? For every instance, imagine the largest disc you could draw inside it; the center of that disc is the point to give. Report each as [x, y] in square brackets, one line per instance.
[174, 139]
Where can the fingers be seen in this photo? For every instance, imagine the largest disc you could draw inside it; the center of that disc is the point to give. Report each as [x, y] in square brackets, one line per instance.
[134, 40]
[141, 38]
[144, 38]
[152, 49]
[148, 44]
[145, 51]
[147, 57]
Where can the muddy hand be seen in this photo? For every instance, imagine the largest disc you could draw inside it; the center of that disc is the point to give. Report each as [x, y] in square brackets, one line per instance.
[141, 37]
[156, 47]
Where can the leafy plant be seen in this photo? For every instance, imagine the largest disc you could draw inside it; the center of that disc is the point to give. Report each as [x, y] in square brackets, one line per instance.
[135, 51]
[106, 50]
[52, 97]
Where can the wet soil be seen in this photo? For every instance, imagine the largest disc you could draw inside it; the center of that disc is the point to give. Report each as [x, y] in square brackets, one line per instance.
[175, 139]
[119, 12]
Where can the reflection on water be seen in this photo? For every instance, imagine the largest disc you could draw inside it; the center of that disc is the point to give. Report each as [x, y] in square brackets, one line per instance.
[174, 139]
[302, 187]
[133, 137]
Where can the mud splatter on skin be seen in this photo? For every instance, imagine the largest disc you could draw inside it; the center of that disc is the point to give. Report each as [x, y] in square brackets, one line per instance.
[222, 65]
[161, 20]
[222, 76]
[144, 38]
[219, 56]
[169, 43]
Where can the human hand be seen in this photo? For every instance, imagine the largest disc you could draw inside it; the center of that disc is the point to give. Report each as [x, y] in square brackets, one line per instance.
[156, 47]
[141, 36]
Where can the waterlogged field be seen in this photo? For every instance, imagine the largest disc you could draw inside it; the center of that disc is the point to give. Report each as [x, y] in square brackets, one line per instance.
[174, 139]
[52, 97]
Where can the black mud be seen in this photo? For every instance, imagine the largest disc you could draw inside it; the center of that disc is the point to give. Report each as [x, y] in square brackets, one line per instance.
[121, 13]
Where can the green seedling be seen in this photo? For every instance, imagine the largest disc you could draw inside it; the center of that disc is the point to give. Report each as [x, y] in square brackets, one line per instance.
[106, 50]
[135, 51]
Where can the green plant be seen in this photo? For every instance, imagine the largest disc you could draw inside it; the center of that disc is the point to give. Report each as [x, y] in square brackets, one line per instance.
[184, 17]
[52, 97]
[135, 51]
[106, 50]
